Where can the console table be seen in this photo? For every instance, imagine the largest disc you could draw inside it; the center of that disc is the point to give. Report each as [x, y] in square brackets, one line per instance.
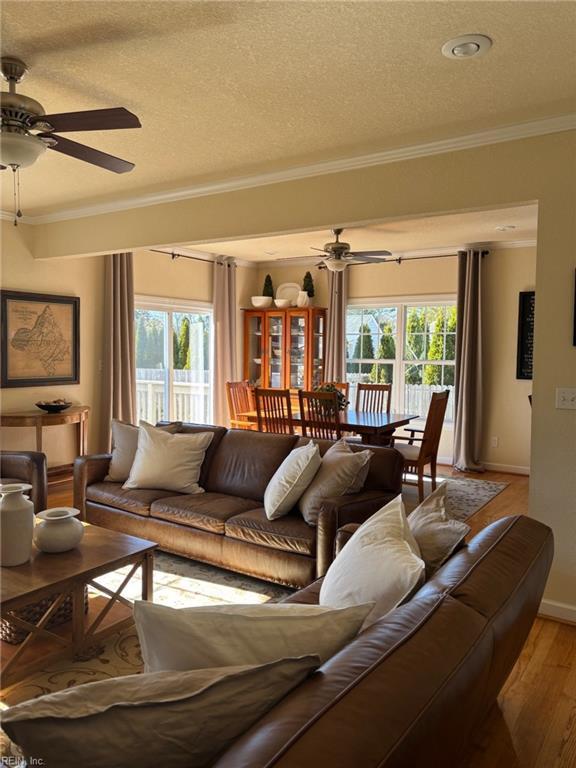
[76, 414]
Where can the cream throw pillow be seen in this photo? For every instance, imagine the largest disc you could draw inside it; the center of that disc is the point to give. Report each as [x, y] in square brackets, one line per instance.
[291, 479]
[217, 636]
[380, 564]
[180, 719]
[169, 462]
[437, 534]
[342, 471]
[125, 445]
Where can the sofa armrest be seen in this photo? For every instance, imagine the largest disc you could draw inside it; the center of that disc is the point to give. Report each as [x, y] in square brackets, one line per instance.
[339, 511]
[88, 470]
[27, 467]
[343, 536]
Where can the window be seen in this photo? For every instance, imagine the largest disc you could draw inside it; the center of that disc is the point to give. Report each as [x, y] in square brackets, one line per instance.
[173, 362]
[409, 345]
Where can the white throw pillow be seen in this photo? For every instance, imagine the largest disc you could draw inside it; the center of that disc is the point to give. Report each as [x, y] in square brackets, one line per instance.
[216, 636]
[291, 479]
[342, 471]
[437, 534]
[181, 719]
[125, 445]
[380, 563]
[169, 462]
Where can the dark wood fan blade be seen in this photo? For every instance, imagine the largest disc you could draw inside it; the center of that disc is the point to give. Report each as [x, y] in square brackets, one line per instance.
[89, 155]
[91, 120]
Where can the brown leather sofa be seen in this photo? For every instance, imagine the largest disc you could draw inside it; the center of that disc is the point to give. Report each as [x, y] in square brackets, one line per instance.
[26, 467]
[227, 526]
[411, 689]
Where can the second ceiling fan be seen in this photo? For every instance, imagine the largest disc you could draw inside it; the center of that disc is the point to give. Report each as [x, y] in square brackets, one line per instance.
[339, 256]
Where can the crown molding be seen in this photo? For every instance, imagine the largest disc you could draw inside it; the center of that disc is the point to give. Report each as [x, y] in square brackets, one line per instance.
[456, 143]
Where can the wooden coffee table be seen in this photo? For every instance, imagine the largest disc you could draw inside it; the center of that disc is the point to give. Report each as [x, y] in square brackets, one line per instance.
[100, 552]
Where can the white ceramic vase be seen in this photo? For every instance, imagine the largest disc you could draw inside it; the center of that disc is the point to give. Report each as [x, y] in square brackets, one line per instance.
[303, 300]
[58, 530]
[16, 524]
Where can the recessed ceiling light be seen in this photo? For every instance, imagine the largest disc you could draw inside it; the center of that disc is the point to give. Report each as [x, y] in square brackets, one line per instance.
[466, 46]
[506, 227]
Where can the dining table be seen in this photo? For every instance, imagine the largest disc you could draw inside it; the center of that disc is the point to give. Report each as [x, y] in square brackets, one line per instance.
[374, 428]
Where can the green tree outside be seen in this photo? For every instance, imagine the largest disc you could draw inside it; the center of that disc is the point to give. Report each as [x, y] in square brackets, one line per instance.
[386, 351]
[364, 348]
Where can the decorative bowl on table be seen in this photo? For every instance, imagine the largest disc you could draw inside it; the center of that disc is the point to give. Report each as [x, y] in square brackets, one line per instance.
[261, 302]
[53, 406]
[283, 303]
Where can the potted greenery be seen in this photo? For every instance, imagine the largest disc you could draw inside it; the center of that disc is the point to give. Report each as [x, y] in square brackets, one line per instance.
[265, 300]
[343, 401]
[308, 284]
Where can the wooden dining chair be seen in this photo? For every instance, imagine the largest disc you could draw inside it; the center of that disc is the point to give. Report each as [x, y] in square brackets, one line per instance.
[274, 411]
[343, 386]
[374, 398]
[319, 415]
[418, 452]
[239, 401]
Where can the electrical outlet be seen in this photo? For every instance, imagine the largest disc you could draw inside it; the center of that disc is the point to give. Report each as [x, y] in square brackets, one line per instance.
[566, 398]
[494, 442]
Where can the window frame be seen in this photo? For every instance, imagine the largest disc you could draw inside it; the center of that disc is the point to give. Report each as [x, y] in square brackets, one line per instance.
[401, 303]
[171, 307]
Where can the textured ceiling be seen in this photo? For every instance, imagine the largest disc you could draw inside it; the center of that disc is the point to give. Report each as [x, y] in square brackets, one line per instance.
[396, 236]
[226, 89]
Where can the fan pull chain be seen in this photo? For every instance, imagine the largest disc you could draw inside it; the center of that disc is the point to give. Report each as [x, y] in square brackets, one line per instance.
[18, 212]
[16, 193]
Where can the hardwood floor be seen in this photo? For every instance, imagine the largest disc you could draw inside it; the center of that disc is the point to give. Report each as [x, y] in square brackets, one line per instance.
[534, 724]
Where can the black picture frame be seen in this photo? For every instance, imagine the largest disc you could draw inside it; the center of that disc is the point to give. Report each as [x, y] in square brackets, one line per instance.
[525, 352]
[48, 358]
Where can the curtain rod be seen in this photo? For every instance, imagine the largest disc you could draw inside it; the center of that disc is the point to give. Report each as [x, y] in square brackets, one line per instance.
[402, 260]
[175, 256]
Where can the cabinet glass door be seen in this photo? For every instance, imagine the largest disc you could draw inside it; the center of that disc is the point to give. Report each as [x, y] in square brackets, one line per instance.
[275, 357]
[255, 349]
[318, 329]
[297, 350]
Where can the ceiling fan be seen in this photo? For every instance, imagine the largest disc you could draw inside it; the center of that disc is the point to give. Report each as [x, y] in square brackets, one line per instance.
[339, 255]
[27, 131]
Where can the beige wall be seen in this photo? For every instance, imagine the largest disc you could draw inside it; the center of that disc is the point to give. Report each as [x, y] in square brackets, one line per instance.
[507, 412]
[154, 275]
[83, 277]
[538, 169]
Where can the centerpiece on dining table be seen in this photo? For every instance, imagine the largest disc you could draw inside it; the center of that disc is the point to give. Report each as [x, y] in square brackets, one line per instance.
[343, 401]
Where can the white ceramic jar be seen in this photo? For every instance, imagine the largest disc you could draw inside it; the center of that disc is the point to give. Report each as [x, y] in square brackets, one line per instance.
[58, 530]
[303, 300]
[16, 524]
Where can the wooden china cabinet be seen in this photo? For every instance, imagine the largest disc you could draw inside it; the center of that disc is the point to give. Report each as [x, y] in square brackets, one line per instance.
[284, 348]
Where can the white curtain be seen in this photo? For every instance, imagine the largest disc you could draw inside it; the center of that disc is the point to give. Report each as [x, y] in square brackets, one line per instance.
[335, 365]
[225, 340]
[468, 374]
[119, 380]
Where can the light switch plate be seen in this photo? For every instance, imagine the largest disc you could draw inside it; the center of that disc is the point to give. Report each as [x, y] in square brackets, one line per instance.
[566, 398]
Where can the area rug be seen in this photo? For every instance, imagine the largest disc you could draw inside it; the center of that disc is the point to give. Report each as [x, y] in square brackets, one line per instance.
[464, 496]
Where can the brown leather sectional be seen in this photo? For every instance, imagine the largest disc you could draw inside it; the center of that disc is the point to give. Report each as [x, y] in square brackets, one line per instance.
[227, 526]
[412, 689]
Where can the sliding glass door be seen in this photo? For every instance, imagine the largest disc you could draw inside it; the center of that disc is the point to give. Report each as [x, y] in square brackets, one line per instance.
[173, 364]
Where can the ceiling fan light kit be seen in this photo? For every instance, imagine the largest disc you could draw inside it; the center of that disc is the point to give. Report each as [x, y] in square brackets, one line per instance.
[26, 131]
[339, 256]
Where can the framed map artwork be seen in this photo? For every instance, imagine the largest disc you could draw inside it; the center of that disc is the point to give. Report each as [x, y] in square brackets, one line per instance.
[40, 339]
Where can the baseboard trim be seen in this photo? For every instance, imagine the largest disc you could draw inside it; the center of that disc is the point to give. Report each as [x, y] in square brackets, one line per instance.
[60, 474]
[552, 609]
[510, 468]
